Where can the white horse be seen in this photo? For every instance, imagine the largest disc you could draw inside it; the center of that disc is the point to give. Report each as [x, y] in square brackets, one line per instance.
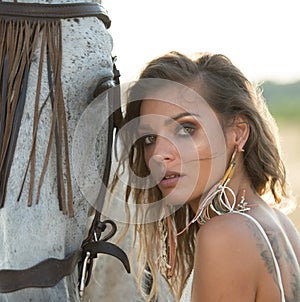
[31, 234]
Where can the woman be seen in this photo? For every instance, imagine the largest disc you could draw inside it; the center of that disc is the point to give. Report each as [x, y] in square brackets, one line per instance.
[205, 156]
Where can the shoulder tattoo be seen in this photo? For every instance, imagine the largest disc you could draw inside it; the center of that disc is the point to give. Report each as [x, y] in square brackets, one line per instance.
[284, 256]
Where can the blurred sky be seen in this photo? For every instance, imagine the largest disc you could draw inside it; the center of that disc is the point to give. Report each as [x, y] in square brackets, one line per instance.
[261, 37]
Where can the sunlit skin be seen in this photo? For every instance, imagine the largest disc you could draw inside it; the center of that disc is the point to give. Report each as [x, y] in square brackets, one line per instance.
[178, 152]
[173, 147]
[230, 263]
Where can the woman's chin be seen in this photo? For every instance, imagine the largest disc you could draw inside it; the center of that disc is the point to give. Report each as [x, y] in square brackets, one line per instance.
[176, 197]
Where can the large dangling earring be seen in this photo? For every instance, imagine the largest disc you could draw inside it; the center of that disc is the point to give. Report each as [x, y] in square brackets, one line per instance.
[217, 199]
[230, 170]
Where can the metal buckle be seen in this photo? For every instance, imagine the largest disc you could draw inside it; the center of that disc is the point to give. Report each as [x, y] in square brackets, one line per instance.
[83, 274]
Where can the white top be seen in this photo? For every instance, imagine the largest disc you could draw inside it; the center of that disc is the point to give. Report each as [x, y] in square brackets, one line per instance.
[187, 292]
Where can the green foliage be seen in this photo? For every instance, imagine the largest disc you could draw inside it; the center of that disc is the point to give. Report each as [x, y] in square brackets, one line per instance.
[283, 100]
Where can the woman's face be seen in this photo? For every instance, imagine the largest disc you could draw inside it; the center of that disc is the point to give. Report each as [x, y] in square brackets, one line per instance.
[184, 147]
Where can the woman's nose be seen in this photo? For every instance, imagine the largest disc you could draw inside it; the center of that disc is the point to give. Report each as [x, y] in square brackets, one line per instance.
[164, 150]
[163, 153]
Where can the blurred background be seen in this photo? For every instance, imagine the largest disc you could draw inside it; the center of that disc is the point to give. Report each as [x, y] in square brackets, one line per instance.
[259, 36]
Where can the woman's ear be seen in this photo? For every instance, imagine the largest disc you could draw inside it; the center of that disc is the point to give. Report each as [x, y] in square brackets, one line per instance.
[241, 131]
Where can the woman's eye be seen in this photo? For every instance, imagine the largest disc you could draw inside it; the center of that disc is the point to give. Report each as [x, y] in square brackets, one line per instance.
[185, 130]
[149, 139]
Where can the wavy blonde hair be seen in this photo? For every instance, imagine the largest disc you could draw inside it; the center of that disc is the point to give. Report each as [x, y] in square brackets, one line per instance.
[229, 94]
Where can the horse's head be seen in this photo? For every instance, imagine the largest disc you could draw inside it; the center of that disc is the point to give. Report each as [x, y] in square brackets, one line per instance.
[50, 68]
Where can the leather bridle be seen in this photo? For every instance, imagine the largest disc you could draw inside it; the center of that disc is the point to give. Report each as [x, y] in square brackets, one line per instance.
[53, 11]
[50, 271]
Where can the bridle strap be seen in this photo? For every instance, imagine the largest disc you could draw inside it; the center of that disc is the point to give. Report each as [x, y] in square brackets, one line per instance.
[50, 271]
[90, 246]
[44, 274]
[54, 11]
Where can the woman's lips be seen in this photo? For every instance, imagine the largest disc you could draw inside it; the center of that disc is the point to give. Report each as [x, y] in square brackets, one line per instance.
[170, 180]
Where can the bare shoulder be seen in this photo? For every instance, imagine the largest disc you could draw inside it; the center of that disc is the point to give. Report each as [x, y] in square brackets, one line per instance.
[225, 230]
[229, 236]
[226, 255]
[234, 253]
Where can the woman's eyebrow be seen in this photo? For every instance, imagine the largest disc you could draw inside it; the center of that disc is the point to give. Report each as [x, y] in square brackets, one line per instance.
[147, 127]
[144, 127]
[180, 115]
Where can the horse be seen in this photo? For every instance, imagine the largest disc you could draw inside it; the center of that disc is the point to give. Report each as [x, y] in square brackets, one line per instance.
[43, 212]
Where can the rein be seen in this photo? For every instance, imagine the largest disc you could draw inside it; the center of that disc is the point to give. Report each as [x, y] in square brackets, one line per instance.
[50, 271]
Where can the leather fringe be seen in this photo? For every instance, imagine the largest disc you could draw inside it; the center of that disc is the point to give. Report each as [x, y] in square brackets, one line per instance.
[18, 42]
